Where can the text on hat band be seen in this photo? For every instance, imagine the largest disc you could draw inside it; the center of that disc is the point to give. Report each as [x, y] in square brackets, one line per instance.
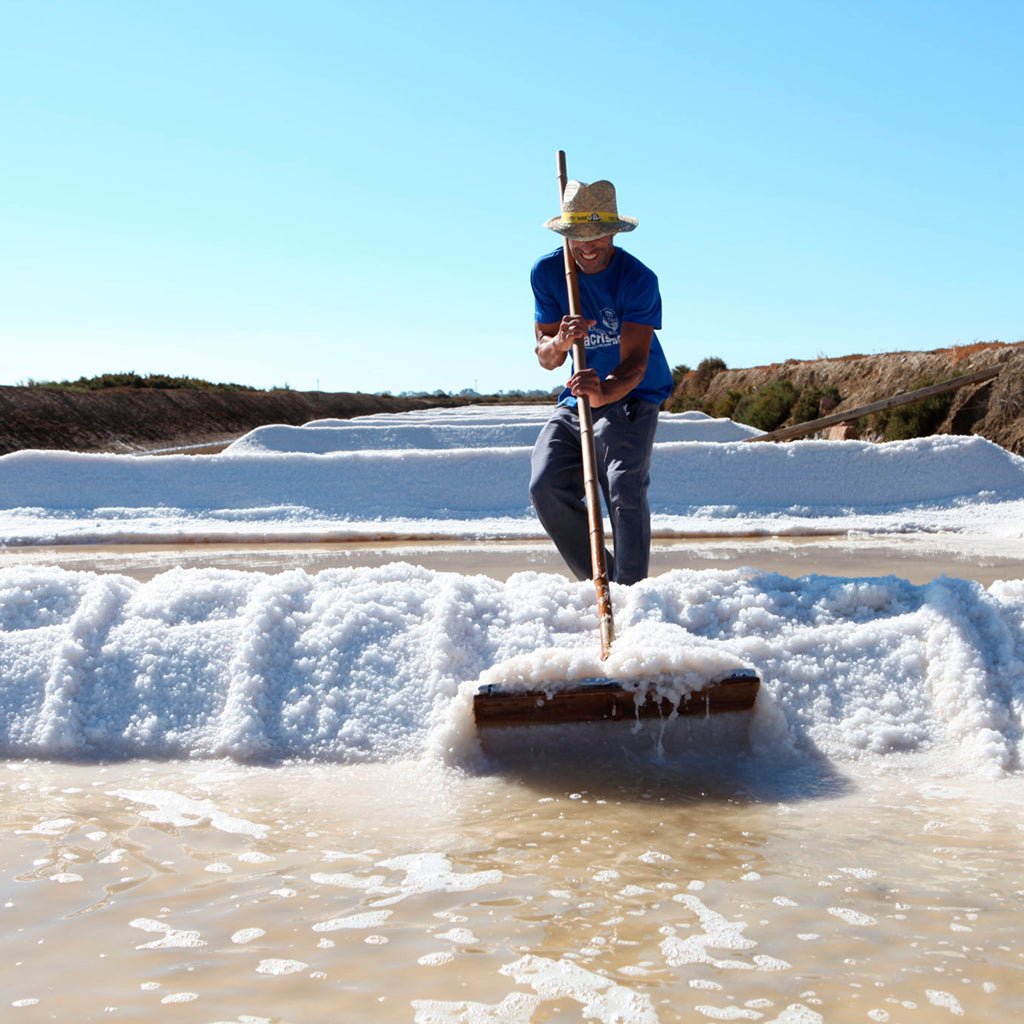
[583, 218]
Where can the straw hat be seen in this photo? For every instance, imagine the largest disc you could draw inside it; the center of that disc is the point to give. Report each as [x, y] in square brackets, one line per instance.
[589, 211]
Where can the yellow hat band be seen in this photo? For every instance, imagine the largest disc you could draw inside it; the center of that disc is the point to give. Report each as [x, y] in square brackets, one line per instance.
[587, 218]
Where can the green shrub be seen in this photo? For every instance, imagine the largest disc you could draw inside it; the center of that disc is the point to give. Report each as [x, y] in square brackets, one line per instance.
[916, 419]
[134, 380]
[726, 405]
[707, 369]
[684, 403]
[768, 407]
[808, 404]
[678, 373]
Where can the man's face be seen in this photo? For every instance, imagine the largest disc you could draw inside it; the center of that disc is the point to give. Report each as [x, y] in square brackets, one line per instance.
[594, 254]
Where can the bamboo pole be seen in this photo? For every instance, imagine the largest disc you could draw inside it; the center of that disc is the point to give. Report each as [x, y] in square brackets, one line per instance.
[599, 571]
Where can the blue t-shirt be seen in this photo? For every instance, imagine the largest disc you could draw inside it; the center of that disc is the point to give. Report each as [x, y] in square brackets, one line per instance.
[624, 292]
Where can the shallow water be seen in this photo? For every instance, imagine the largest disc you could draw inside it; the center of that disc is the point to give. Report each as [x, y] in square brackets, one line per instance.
[918, 558]
[540, 887]
[539, 884]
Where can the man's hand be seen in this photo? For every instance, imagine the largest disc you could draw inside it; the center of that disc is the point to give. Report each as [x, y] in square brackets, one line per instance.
[572, 329]
[555, 340]
[634, 347]
[587, 382]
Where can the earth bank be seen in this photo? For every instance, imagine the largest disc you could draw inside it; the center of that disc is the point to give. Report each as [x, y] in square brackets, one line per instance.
[141, 419]
[993, 409]
[146, 419]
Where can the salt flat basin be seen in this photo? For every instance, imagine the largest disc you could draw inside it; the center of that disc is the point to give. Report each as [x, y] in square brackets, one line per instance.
[915, 557]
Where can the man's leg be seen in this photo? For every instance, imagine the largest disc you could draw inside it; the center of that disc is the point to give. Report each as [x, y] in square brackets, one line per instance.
[624, 436]
[557, 492]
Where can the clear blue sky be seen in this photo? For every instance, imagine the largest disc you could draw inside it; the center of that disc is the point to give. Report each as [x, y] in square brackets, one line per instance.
[351, 195]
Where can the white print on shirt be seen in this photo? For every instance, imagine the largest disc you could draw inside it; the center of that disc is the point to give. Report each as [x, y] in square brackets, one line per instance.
[601, 339]
[606, 332]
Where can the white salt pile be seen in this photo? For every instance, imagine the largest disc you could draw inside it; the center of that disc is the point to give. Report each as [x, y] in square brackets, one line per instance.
[708, 484]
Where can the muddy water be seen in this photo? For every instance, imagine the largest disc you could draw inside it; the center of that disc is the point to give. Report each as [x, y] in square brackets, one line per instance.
[529, 889]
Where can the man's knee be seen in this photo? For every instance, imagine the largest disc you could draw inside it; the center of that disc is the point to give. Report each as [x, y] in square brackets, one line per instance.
[542, 477]
[539, 489]
[627, 491]
[553, 477]
[550, 491]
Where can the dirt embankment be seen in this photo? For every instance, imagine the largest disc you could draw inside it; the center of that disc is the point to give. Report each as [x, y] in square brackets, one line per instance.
[994, 409]
[141, 419]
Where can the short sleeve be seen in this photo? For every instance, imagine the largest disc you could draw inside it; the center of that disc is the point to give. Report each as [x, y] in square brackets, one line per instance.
[641, 298]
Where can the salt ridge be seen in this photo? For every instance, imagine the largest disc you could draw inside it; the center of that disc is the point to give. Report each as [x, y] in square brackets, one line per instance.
[699, 487]
[377, 664]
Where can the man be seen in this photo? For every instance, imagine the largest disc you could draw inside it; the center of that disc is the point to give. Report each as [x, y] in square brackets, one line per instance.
[626, 379]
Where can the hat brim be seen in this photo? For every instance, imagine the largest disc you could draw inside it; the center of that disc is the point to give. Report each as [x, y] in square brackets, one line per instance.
[585, 230]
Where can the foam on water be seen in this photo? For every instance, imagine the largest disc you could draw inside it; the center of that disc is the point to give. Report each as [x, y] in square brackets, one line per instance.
[638, 898]
[377, 664]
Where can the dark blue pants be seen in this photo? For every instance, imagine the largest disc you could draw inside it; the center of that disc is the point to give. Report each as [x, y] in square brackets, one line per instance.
[623, 440]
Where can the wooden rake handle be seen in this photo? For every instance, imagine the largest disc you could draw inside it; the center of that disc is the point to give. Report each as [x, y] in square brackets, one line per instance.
[590, 483]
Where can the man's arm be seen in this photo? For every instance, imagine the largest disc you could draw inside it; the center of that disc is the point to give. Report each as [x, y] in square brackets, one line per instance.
[634, 350]
[554, 341]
